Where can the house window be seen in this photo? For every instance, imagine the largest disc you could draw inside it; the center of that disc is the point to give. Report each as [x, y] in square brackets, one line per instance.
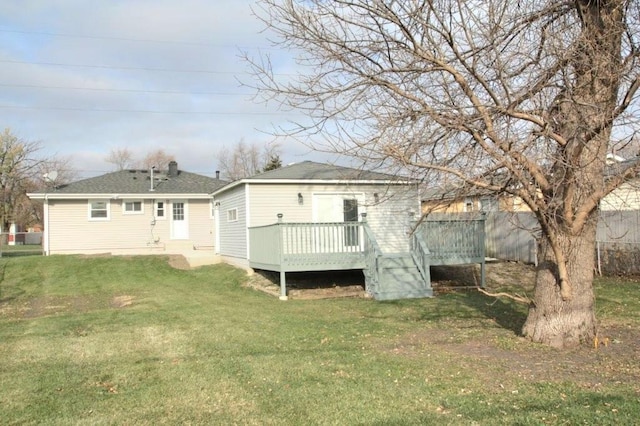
[468, 205]
[98, 210]
[160, 210]
[232, 215]
[133, 207]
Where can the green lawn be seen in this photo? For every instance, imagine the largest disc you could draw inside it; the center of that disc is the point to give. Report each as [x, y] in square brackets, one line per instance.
[117, 340]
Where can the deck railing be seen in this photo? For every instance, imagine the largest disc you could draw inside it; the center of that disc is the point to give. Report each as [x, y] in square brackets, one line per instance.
[306, 246]
[454, 241]
[421, 255]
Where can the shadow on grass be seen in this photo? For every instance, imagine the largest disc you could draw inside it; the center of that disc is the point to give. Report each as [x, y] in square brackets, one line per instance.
[459, 299]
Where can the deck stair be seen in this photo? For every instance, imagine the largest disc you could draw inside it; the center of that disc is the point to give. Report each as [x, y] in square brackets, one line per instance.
[397, 277]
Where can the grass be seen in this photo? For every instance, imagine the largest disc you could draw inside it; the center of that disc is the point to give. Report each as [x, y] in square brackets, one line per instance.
[121, 340]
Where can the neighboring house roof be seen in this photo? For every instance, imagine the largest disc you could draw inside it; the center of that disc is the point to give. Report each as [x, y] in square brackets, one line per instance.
[136, 183]
[312, 172]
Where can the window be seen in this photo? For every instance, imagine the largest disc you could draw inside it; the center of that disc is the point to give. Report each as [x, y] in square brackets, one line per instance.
[232, 215]
[160, 210]
[468, 205]
[98, 210]
[178, 211]
[132, 207]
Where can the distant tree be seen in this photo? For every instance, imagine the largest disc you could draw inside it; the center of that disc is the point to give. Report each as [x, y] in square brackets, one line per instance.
[245, 160]
[157, 158]
[122, 158]
[19, 168]
[273, 163]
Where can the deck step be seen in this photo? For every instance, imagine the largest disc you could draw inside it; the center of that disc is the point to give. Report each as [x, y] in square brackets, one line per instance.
[399, 278]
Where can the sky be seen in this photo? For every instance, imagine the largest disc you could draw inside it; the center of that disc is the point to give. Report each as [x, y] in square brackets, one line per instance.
[83, 78]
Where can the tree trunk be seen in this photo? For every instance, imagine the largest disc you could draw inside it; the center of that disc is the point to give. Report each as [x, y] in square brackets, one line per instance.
[552, 320]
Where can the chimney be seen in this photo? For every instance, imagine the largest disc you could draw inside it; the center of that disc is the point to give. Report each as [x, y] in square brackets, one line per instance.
[217, 174]
[173, 169]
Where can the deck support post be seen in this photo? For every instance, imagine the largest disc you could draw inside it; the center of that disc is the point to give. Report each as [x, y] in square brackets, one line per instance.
[483, 274]
[283, 286]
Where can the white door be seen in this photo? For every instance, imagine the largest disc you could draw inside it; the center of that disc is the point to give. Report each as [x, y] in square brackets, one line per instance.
[179, 220]
[337, 208]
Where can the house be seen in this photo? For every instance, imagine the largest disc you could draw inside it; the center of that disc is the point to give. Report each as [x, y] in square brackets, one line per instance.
[310, 192]
[316, 217]
[132, 212]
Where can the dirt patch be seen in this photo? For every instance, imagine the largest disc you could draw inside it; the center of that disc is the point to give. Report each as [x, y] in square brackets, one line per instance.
[178, 261]
[311, 285]
[332, 284]
[122, 301]
[590, 367]
[498, 274]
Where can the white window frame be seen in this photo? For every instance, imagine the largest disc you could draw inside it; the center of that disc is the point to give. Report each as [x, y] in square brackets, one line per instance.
[90, 210]
[132, 202]
[164, 210]
[232, 215]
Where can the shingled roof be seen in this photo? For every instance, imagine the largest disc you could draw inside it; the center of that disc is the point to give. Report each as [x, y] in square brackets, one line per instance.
[139, 182]
[310, 170]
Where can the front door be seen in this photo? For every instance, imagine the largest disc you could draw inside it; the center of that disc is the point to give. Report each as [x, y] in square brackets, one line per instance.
[179, 220]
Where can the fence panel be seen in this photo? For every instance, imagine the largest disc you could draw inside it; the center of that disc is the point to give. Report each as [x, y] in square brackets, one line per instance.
[20, 243]
[512, 236]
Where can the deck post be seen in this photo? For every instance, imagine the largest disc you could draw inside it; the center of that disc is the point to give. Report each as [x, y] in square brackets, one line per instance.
[283, 286]
[283, 278]
[482, 274]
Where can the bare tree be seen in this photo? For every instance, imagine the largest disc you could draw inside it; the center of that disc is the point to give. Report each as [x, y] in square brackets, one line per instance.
[521, 98]
[122, 158]
[245, 160]
[157, 158]
[18, 170]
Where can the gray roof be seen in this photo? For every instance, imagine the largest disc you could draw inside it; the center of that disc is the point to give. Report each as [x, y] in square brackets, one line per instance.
[309, 170]
[139, 182]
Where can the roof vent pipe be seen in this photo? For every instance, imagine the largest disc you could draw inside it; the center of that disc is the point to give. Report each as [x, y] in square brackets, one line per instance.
[152, 169]
[217, 174]
[173, 169]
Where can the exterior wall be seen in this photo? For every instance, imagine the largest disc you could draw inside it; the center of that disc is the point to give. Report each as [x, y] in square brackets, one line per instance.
[626, 197]
[388, 217]
[504, 204]
[233, 234]
[71, 231]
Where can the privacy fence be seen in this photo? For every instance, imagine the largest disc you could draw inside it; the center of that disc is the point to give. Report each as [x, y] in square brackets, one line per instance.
[512, 237]
[20, 243]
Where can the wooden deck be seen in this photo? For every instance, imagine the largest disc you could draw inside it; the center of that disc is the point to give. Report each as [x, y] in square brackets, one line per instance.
[296, 247]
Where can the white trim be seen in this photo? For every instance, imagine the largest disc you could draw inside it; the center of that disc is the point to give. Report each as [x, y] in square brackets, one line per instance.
[165, 203]
[117, 196]
[235, 214]
[247, 217]
[314, 181]
[132, 202]
[45, 233]
[89, 210]
[176, 234]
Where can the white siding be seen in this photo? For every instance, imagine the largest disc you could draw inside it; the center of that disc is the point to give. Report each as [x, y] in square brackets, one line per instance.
[389, 217]
[626, 197]
[71, 231]
[233, 235]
